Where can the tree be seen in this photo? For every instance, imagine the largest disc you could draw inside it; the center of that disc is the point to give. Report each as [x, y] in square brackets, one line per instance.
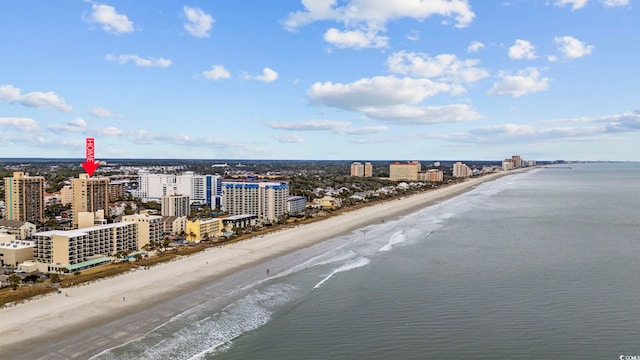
[55, 278]
[137, 256]
[14, 281]
[33, 278]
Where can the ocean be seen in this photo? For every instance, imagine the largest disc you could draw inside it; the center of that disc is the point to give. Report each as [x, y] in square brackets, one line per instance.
[538, 265]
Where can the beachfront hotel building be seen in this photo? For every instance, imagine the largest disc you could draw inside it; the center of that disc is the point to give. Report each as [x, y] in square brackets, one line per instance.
[517, 161]
[201, 189]
[296, 204]
[432, 175]
[461, 170]
[150, 228]
[24, 197]
[204, 229]
[13, 252]
[361, 170]
[83, 248]
[21, 230]
[404, 171]
[89, 195]
[174, 205]
[267, 200]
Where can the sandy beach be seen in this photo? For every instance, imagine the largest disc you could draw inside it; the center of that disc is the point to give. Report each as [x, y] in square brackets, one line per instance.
[59, 317]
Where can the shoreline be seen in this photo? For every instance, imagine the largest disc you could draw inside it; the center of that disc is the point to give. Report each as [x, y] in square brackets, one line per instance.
[52, 321]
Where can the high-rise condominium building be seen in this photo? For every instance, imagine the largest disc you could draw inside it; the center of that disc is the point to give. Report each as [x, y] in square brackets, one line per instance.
[267, 200]
[404, 172]
[368, 169]
[24, 197]
[75, 249]
[175, 205]
[201, 189]
[89, 195]
[150, 228]
[517, 161]
[461, 170]
[359, 169]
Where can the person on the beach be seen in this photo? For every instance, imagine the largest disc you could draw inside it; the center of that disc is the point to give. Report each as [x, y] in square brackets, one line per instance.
[123, 298]
[267, 272]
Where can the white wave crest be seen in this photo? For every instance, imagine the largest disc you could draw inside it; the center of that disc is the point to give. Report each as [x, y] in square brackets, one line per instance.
[360, 262]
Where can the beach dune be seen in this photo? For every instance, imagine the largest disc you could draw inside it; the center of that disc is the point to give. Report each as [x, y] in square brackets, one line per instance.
[50, 327]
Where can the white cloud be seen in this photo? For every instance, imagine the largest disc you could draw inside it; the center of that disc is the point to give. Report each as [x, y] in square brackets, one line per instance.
[475, 46]
[336, 127]
[198, 22]
[78, 122]
[524, 82]
[522, 49]
[355, 39]
[108, 131]
[268, 75]
[572, 48]
[378, 12]
[20, 124]
[103, 113]
[614, 3]
[77, 125]
[289, 139]
[378, 91]
[311, 125]
[110, 20]
[139, 61]
[217, 72]
[444, 66]
[423, 115]
[575, 4]
[414, 35]
[12, 94]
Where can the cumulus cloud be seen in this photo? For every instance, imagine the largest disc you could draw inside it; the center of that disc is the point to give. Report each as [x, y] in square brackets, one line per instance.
[446, 67]
[198, 22]
[77, 125]
[571, 48]
[614, 3]
[289, 139]
[139, 61]
[378, 12]
[12, 94]
[378, 91]
[217, 72]
[475, 46]
[575, 4]
[424, 115]
[268, 75]
[103, 113]
[19, 124]
[355, 39]
[522, 49]
[524, 82]
[336, 127]
[111, 21]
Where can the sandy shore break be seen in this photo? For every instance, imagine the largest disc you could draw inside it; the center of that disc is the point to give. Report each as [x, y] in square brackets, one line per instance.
[123, 294]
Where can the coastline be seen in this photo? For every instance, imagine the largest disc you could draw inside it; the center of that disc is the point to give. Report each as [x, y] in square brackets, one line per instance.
[55, 318]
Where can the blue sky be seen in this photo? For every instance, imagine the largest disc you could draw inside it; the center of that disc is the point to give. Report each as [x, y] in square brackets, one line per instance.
[321, 79]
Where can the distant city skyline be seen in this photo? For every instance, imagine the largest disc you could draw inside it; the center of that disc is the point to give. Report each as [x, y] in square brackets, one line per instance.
[321, 79]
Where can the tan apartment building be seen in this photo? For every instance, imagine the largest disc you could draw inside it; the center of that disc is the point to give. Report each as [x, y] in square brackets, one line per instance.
[24, 197]
[78, 249]
[204, 229]
[89, 195]
[150, 228]
[175, 205]
[461, 170]
[13, 252]
[404, 171]
[361, 170]
[432, 175]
